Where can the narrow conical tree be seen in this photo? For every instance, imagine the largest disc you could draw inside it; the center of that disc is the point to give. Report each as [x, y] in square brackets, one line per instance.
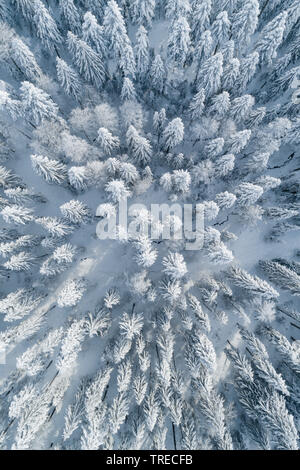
[68, 78]
[87, 60]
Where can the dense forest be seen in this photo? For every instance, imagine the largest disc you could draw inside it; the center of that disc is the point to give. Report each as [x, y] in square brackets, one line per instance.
[133, 341]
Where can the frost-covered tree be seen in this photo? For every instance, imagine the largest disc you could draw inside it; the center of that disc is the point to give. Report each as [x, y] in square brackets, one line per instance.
[93, 34]
[204, 47]
[177, 8]
[197, 105]
[25, 59]
[68, 78]
[87, 60]
[141, 52]
[107, 141]
[282, 276]
[142, 11]
[37, 105]
[26, 7]
[210, 74]
[114, 29]
[46, 28]
[271, 37]
[139, 146]
[75, 212]
[70, 15]
[200, 18]
[248, 193]
[158, 74]
[173, 134]
[174, 266]
[17, 214]
[179, 41]
[71, 293]
[244, 22]
[241, 107]
[252, 283]
[221, 27]
[128, 91]
[117, 190]
[53, 171]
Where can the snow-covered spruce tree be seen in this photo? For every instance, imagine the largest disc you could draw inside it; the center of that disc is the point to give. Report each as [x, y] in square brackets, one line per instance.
[93, 34]
[271, 37]
[139, 146]
[158, 74]
[179, 41]
[68, 78]
[25, 59]
[87, 60]
[142, 11]
[173, 134]
[210, 74]
[70, 15]
[117, 39]
[53, 171]
[37, 105]
[141, 52]
[46, 28]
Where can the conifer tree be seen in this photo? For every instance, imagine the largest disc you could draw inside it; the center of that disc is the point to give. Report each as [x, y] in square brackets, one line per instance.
[93, 34]
[179, 41]
[37, 105]
[141, 51]
[68, 78]
[270, 38]
[70, 14]
[142, 11]
[158, 74]
[210, 74]
[87, 60]
[46, 28]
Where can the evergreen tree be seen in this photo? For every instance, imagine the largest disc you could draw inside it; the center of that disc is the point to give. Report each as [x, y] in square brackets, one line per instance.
[141, 51]
[68, 78]
[176, 9]
[210, 74]
[231, 74]
[204, 46]
[173, 133]
[37, 105]
[142, 11]
[115, 29]
[200, 18]
[24, 59]
[248, 67]
[27, 8]
[220, 28]
[93, 34]
[179, 41]
[241, 107]
[158, 74]
[52, 171]
[46, 28]
[197, 105]
[245, 22]
[107, 141]
[87, 60]
[128, 91]
[139, 146]
[270, 38]
[70, 14]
